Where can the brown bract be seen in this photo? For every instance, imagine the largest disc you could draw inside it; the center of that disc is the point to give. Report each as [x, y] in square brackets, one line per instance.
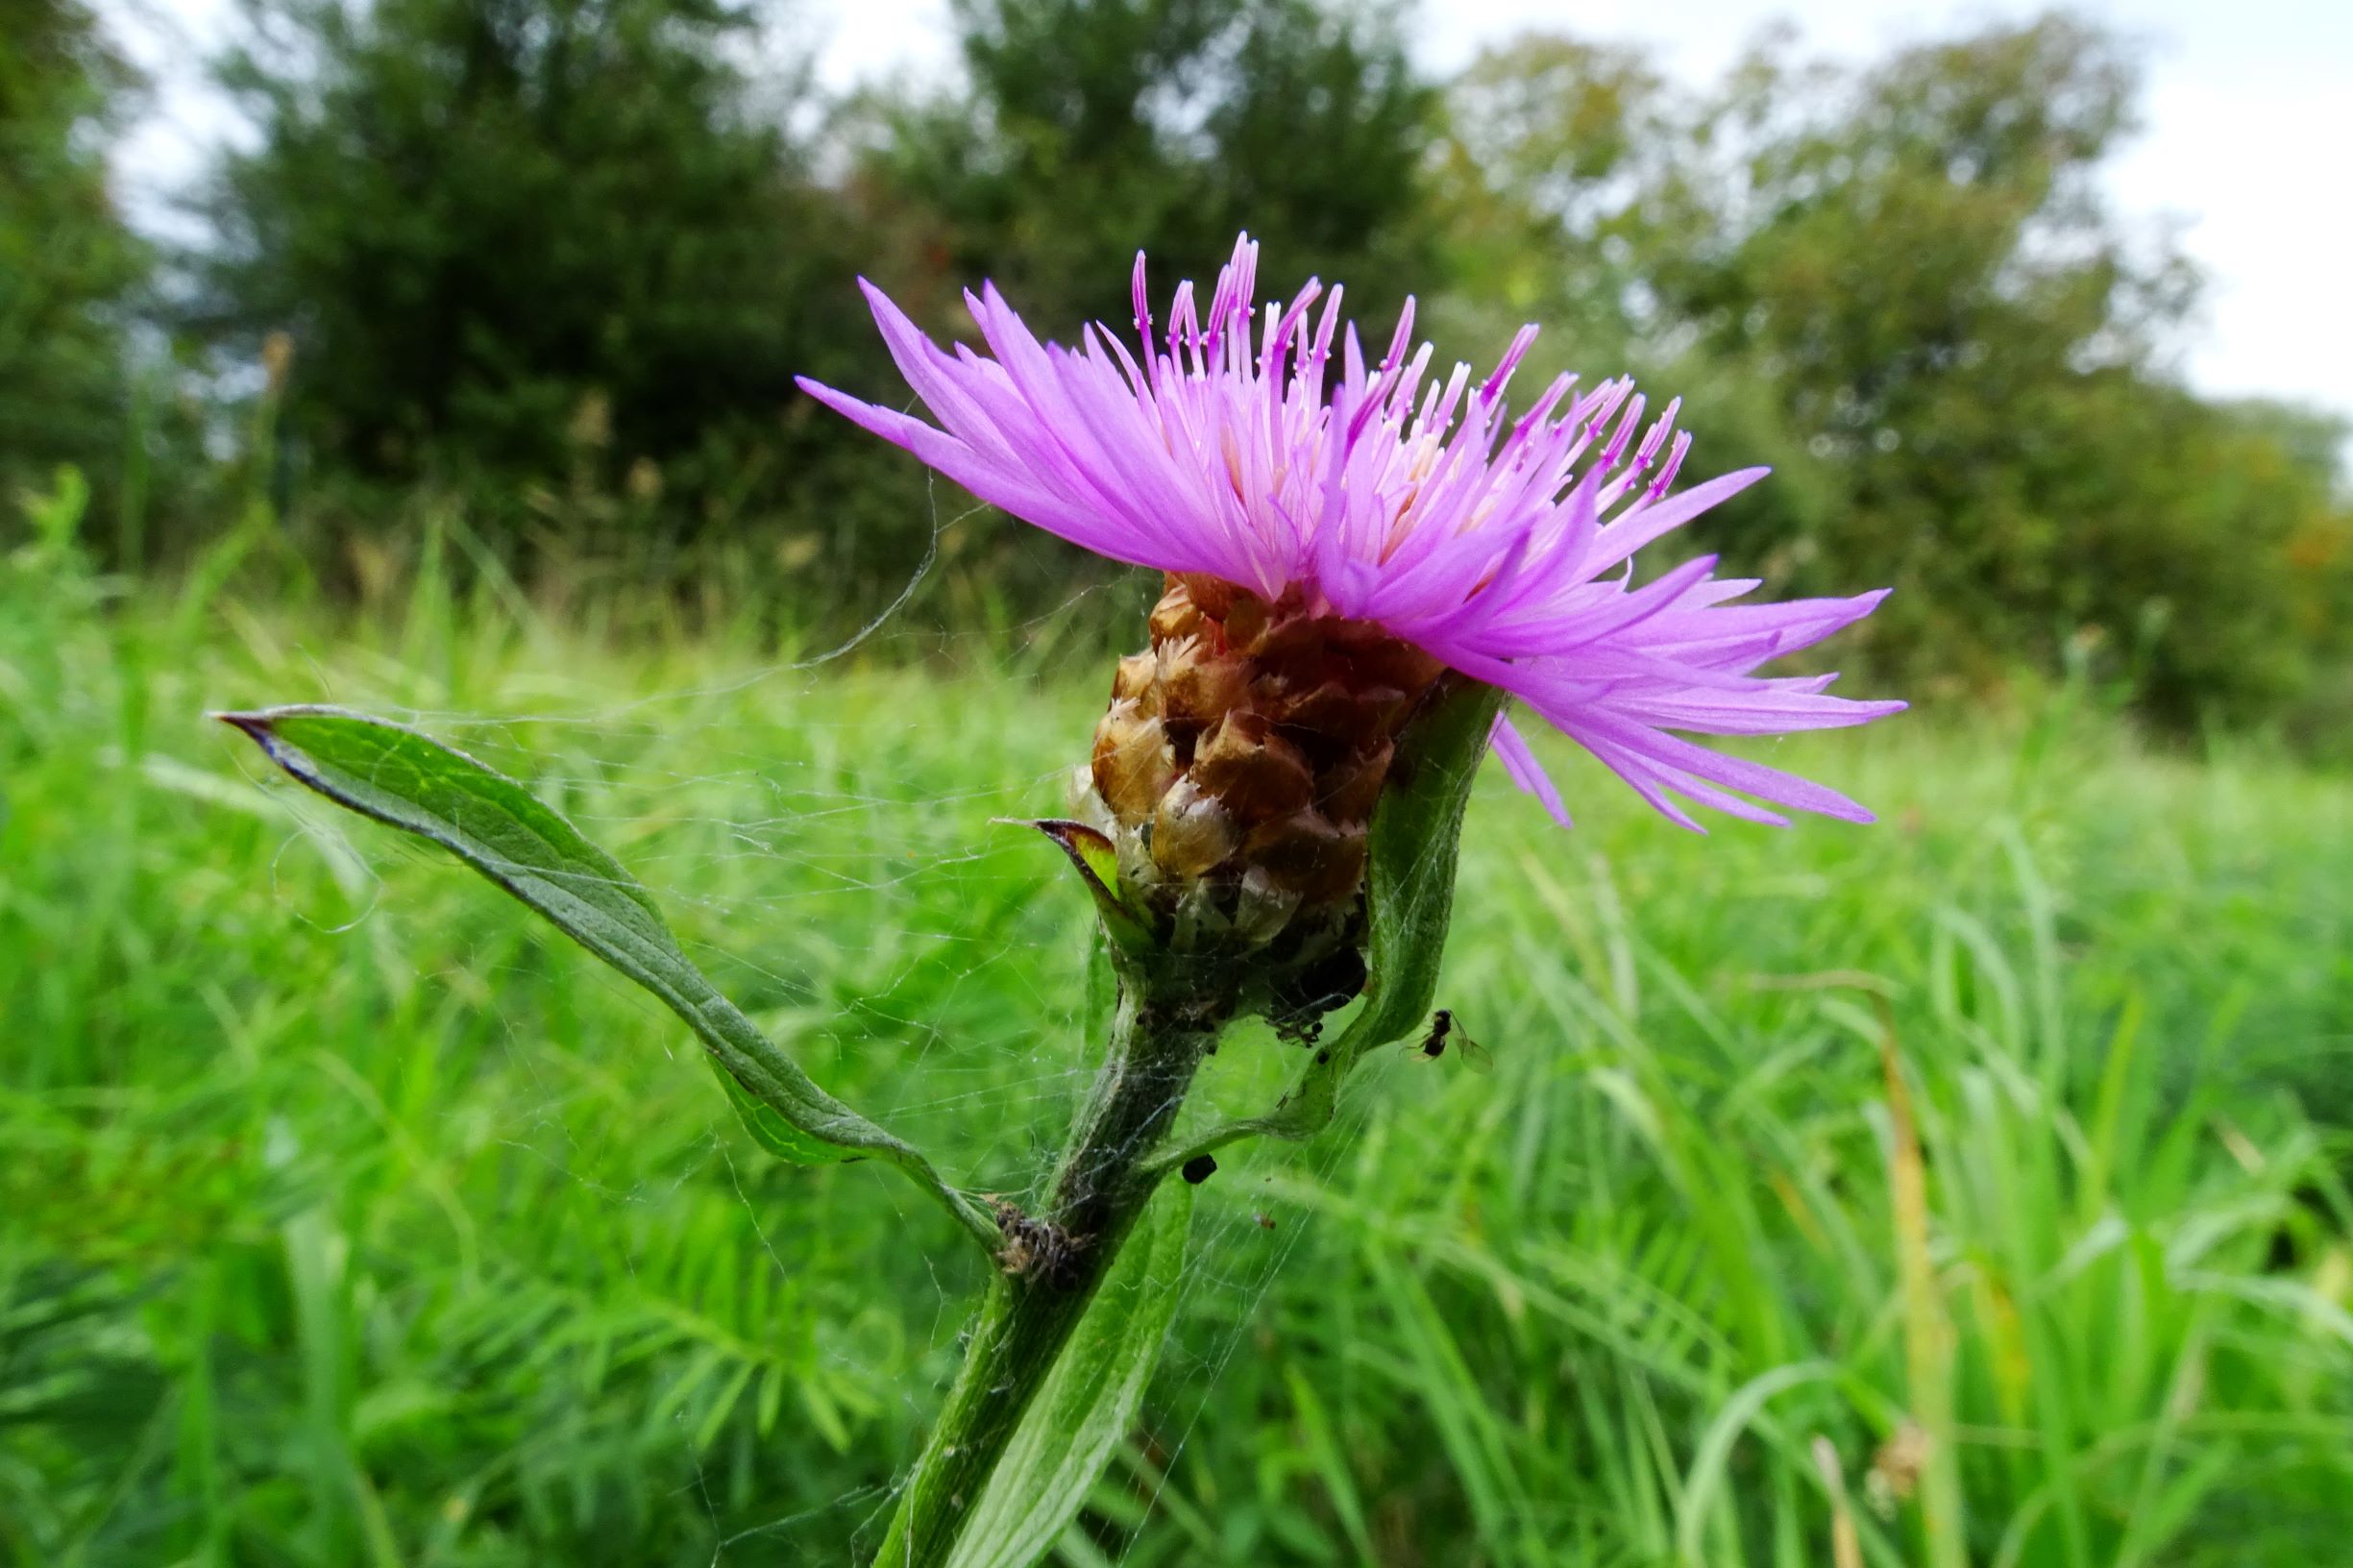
[1248, 747]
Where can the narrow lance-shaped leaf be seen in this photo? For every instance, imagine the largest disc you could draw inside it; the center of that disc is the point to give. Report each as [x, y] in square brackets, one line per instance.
[398, 777]
[1089, 1401]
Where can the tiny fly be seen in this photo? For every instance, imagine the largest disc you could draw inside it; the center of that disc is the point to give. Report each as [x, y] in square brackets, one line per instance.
[1442, 1029]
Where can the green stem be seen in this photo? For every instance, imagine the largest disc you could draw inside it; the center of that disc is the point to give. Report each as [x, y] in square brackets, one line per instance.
[1054, 1265]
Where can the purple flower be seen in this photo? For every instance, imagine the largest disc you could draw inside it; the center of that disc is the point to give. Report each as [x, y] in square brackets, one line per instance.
[1236, 448]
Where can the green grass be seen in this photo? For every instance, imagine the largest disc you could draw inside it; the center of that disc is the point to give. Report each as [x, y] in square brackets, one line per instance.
[345, 1217]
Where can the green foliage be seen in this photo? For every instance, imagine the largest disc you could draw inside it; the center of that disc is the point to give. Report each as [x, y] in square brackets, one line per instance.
[1898, 284]
[497, 828]
[1091, 129]
[569, 244]
[355, 1220]
[69, 269]
[550, 265]
[1543, 139]
[1923, 270]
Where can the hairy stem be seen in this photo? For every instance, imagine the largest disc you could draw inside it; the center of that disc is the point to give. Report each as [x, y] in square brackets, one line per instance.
[1053, 1265]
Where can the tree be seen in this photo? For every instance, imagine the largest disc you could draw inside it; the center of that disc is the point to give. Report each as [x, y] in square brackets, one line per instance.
[1091, 129]
[1548, 142]
[1899, 285]
[69, 268]
[512, 239]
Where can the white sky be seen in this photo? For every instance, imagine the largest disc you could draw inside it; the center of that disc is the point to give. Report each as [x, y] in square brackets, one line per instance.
[2248, 117]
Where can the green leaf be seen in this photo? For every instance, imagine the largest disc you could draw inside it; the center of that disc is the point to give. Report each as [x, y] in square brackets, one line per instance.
[406, 780]
[1417, 837]
[770, 1130]
[1088, 1404]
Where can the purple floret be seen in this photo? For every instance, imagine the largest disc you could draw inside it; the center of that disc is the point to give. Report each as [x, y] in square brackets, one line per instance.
[1237, 447]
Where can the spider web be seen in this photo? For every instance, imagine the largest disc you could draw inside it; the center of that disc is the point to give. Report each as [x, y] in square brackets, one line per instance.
[955, 1007]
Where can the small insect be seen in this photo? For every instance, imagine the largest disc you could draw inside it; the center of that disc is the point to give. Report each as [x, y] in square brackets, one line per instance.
[1443, 1028]
[1265, 1222]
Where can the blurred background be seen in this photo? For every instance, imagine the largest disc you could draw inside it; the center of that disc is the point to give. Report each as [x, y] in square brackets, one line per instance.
[437, 356]
[2035, 315]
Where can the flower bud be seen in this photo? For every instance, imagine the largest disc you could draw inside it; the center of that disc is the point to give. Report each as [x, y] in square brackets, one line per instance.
[1236, 770]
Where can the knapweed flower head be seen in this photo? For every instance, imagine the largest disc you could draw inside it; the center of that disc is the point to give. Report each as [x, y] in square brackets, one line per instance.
[1338, 533]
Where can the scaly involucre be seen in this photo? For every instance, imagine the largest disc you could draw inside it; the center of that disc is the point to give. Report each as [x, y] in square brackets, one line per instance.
[1503, 547]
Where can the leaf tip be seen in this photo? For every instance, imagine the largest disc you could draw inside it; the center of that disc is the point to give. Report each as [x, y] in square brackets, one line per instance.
[255, 725]
[1096, 860]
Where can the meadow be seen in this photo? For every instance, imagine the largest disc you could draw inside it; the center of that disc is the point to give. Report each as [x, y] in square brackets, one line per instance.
[1971, 1187]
